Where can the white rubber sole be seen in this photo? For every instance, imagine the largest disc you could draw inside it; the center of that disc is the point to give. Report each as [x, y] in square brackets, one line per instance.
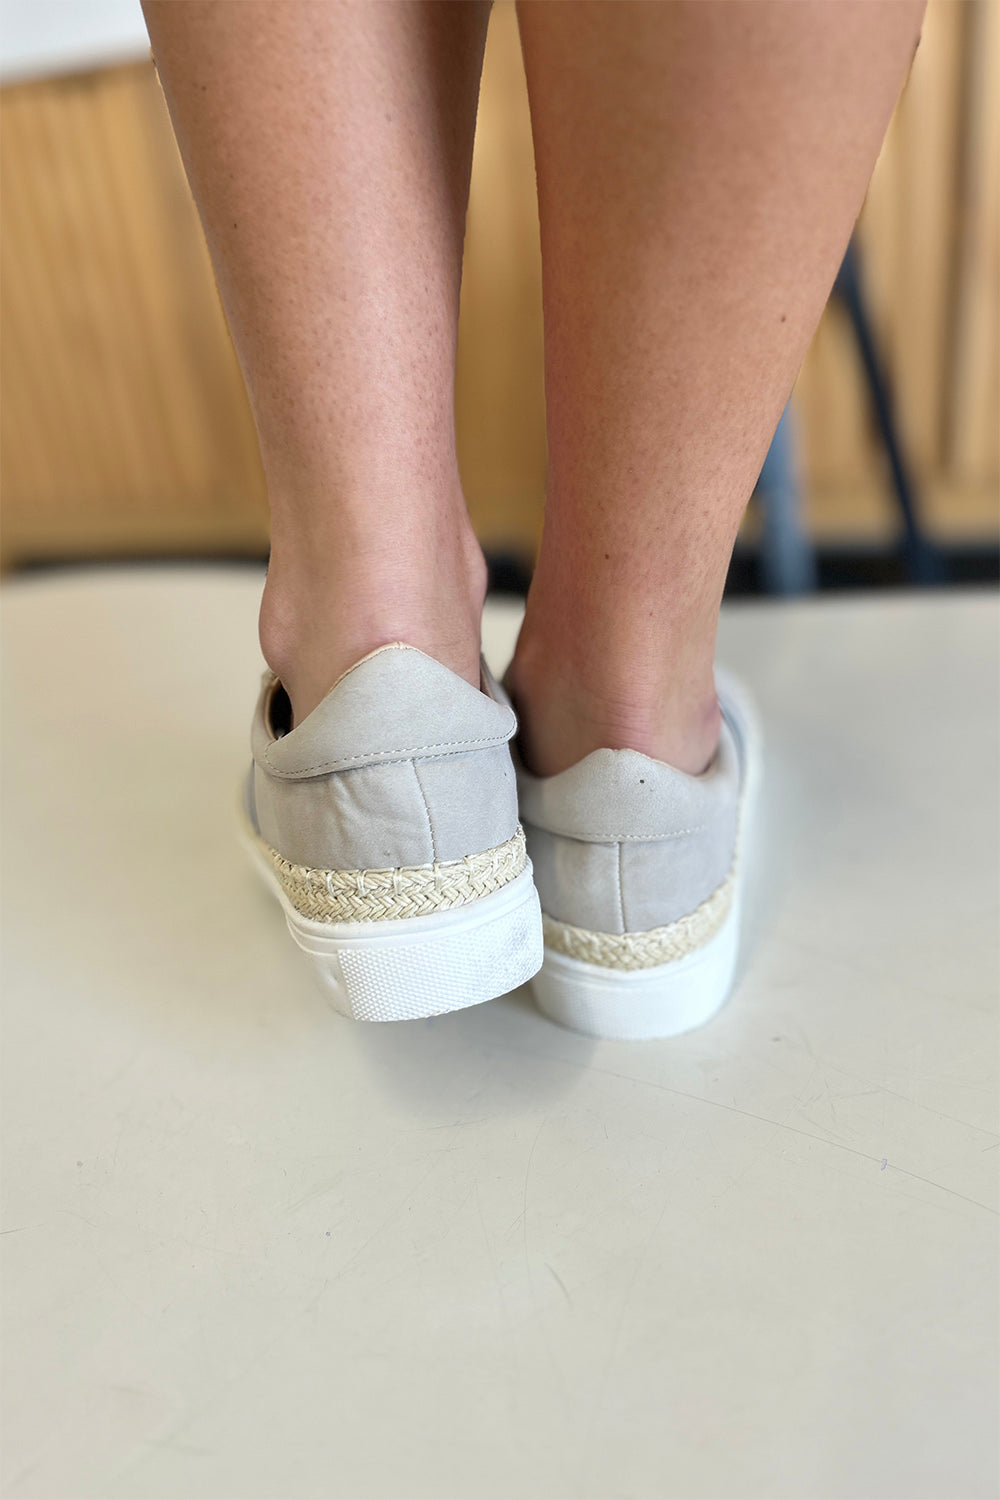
[667, 999]
[412, 967]
[641, 1004]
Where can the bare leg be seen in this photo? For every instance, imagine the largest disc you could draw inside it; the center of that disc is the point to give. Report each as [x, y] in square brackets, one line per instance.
[700, 167]
[329, 147]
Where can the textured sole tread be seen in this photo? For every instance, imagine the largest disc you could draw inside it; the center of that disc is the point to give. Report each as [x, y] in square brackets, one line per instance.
[409, 968]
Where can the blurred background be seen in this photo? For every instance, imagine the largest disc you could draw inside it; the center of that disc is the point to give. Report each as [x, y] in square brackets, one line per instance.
[124, 425]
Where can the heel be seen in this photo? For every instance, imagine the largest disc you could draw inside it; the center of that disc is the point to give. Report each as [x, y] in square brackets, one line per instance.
[427, 966]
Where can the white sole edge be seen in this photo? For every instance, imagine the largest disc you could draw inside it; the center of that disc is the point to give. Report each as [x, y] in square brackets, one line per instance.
[634, 1005]
[668, 999]
[409, 968]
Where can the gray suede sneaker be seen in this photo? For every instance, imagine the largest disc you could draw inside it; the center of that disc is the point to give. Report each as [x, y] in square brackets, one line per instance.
[386, 824]
[639, 868]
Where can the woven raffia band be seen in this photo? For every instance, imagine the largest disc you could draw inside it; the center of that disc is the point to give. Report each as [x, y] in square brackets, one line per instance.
[410, 891]
[644, 950]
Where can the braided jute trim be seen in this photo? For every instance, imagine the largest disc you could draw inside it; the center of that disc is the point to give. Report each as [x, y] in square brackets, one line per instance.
[408, 891]
[644, 950]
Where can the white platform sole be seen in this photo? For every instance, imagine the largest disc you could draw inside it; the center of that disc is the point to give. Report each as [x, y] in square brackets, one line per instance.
[670, 998]
[412, 967]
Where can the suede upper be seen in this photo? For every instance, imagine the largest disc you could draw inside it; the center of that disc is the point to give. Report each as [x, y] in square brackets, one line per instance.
[622, 843]
[394, 704]
[402, 763]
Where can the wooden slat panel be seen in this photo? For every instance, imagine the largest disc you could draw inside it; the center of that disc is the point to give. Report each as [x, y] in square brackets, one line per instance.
[499, 396]
[911, 237]
[124, 416]
[926, 136]
[974, 427]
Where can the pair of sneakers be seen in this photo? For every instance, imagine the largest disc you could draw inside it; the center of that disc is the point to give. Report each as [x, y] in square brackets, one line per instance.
[423, 869]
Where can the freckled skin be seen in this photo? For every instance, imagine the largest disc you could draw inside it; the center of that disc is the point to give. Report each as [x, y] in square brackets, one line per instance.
[700, 166]
[329, 147]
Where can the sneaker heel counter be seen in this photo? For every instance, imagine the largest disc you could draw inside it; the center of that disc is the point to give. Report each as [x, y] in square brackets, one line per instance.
[470, 801]
[389, 816]
[578, 882]
[664, 880]
[372, 817]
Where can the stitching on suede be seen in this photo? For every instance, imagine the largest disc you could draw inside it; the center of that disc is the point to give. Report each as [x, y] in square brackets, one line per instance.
[617, 838]
[427, 811]
[621, 892]
[378, 757]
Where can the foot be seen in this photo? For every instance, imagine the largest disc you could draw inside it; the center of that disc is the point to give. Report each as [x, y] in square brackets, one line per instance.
[638, 867]
[386, 823]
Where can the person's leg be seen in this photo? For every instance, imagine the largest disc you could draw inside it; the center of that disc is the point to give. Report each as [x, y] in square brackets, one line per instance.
[329, 147]
[700, 166]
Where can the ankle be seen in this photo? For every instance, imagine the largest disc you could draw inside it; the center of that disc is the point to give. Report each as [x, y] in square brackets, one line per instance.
[321, 614]
[564, 716]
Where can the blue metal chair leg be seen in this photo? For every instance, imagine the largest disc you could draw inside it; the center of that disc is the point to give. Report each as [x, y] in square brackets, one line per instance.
[924, 562]
[787, 555]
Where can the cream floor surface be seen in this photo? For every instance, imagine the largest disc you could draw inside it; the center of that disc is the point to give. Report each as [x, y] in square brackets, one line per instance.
[253, 1250]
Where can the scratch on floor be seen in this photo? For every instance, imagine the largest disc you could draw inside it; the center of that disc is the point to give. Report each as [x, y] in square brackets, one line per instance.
[559, 1282]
